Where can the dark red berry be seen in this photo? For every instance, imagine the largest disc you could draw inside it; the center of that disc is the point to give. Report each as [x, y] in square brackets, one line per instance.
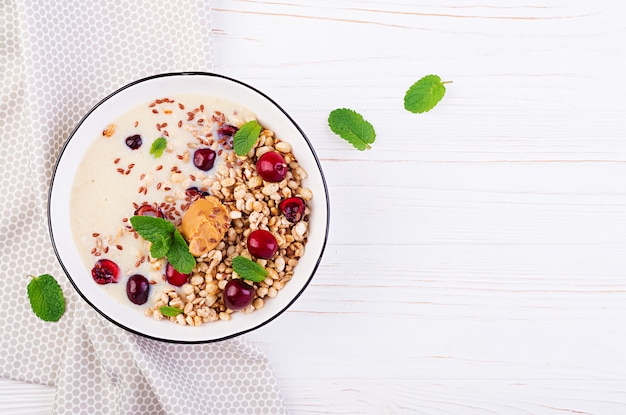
[226, 130]
[272, 167]
[238, 294]
[174, 277]
[225, 134]
[203, 158]
[105, 271]
[149, 210]
[194, 193]
[137, 289]
[292, 208]
[134, 141]
[262, 244]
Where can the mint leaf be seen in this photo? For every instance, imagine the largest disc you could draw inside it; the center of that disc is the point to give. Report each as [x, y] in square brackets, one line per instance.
[151, 228]
[169, 311]
[423, 95]
[46, 297]
[158, 146]
[161, 246]
[246, 137]
[179, 255]
[352, 127]
[166, 241]
[249, 270]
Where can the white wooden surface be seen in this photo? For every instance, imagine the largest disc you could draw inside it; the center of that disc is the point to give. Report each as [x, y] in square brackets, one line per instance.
[476, 261]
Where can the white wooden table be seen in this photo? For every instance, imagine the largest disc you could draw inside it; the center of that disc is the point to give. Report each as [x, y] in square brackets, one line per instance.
[476, 261]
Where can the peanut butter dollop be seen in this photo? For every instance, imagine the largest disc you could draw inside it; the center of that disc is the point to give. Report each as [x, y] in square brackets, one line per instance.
[204, 225]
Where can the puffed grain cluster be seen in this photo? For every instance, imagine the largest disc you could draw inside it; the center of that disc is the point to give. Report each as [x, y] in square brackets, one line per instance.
[253, 204]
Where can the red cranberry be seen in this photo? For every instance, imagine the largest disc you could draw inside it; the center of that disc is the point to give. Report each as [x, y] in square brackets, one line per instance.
[262, 244]
[134, 141]
[105, 271]
[238, 294]
[148, 210]
[292, 208]
[271, 166]
[174, 277]
[204, 158]
[137, 289]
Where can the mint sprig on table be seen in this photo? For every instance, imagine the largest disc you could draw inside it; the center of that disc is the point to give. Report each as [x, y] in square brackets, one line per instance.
[245, 138]
[166, 242]
[425, 94]
[352, 127]
[46, 297]
[248, 269]
[158, 146]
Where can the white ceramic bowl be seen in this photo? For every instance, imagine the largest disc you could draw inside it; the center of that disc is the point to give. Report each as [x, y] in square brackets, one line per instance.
[269, 114]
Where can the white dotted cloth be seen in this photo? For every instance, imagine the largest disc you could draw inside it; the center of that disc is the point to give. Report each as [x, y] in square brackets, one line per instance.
[57, 59]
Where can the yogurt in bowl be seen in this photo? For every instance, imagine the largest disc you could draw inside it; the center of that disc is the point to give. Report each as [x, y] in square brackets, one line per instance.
[162, 147]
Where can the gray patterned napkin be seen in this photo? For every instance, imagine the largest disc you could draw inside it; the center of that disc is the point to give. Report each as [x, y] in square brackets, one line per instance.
[57, 59]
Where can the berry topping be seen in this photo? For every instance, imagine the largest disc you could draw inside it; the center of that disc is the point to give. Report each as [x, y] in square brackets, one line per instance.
[292, 208]
[105, 272]
[174, 277]
[134, 141]
[203, 158]
[238, 294]
[148, 210]
[137, 289]
[272, 167]
[262, 244]
[195, 193]
[225, 134]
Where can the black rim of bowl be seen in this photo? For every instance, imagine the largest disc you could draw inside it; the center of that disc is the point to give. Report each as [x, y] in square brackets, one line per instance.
[177, 74]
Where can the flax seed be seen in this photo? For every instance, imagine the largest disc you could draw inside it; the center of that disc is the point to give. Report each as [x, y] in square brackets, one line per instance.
[117, 160]
[180, 123]
[181, 106]
[95, 234]
[155, 111]
[159, 167]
